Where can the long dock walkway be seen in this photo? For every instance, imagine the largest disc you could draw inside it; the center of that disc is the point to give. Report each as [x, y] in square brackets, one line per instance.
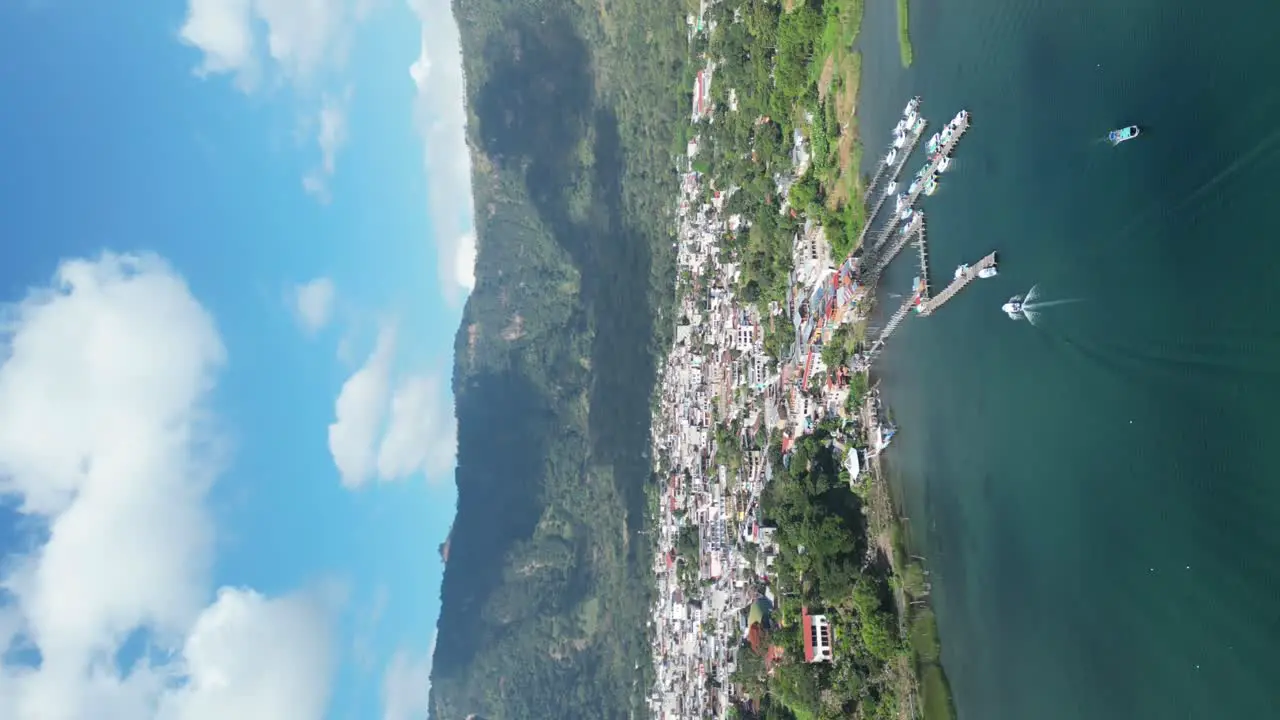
[882, 261]
[894, 321]
[923, 247]
[895, 170]
[970, 273]
[960, 128]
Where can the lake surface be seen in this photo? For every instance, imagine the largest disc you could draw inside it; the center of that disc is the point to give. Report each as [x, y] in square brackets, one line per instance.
[1098, 494]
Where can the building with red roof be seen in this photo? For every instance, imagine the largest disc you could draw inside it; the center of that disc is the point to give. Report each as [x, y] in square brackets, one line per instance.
[816, 632]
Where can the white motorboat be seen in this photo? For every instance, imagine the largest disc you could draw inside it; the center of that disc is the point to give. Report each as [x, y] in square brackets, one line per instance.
[1013, 308]
[891, 189]
[944, 163]
[893, 155]
[931, 186]
[899, 140]
[910, 121]
[1123, 134]
[987, 272]
[915, 185]
[900, 204]
[906, 214]
[912, 106]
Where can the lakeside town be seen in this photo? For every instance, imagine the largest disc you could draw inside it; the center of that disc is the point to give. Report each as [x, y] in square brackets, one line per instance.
[731, 414]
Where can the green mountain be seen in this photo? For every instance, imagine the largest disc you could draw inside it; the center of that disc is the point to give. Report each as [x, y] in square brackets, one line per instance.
[574, 113]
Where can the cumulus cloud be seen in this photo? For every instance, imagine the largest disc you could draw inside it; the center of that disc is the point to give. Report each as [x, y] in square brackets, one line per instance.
[299, 41]
[440, 116]
[223, 31]
[106, 447]
[253, 658]
[422, 434]
[360, 412]
[406, 686]
[301, 36]
[313, 302]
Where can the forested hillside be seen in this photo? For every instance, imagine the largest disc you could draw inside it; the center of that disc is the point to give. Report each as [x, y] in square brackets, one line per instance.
[573, 116]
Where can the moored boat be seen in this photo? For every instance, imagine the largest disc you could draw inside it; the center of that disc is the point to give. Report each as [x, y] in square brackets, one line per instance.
[931, 186]
[893, 155]
[943, 164]
[961, 270]
[987, 272]
[891, 189]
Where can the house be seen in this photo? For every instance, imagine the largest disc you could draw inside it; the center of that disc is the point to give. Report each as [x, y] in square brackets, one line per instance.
[816, 632]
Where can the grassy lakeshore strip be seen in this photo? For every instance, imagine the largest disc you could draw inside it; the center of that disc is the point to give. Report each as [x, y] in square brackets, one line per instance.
[911, 595]
[904, 33]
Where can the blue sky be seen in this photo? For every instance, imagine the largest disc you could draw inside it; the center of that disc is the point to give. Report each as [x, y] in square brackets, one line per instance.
[237, 238]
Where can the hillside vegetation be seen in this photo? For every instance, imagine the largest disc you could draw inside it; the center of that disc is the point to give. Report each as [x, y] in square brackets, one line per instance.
[572, 112]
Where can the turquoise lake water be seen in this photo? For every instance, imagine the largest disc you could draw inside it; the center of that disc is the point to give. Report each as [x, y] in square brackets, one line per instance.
[1098, 494]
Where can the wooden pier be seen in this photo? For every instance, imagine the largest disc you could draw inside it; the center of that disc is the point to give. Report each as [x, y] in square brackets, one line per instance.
[904, 152]
[894, 321]
[900, 241]
[923, 247]
[970, 273]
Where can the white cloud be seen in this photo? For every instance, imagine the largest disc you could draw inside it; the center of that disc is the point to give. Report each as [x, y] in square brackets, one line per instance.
[253, 658]
[106, 444]
[406, 686]
[440, 116]
[223, 31]
[297, 42]
[330, 137]
[313, 301]
[422, 434]
[301, 36]
[360, 412]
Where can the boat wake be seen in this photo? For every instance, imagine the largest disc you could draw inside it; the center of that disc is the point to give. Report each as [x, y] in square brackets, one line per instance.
[1053, 303]
[1033, 306]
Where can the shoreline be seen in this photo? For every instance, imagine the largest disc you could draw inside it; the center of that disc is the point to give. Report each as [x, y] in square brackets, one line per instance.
[723, 435]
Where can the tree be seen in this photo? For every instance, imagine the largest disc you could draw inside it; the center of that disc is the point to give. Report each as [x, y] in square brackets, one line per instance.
[834, 354]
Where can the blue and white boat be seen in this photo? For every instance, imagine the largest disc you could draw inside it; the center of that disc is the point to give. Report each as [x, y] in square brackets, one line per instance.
[1115, 137]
